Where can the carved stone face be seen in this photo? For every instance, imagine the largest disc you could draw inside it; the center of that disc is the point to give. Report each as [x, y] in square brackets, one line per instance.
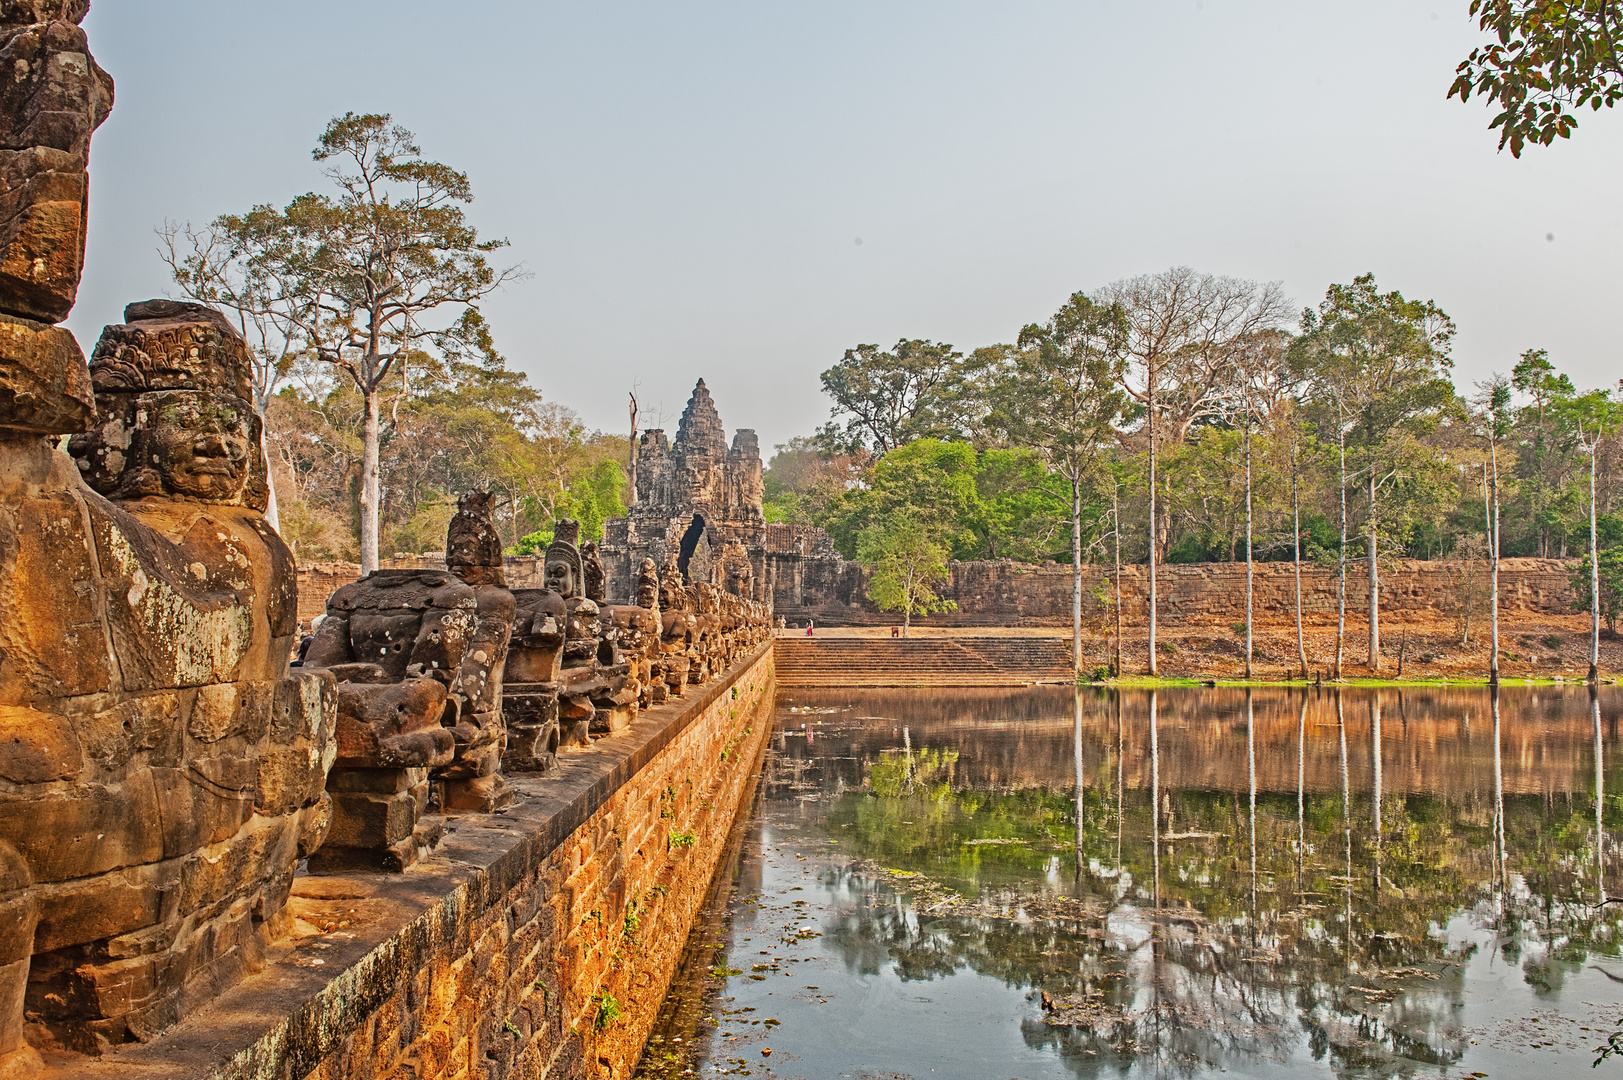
[201, 446]
[648, 585]
[561, 577]
[192, 443]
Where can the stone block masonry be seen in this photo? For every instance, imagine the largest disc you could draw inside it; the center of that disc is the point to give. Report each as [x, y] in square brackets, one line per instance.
[534, 943]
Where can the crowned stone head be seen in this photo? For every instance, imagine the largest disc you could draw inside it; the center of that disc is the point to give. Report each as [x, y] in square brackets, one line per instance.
[564, 572]
[473, 547]
[648, 584]
[174, 388]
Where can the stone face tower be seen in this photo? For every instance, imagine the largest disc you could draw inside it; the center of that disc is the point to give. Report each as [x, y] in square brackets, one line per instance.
[694, 489]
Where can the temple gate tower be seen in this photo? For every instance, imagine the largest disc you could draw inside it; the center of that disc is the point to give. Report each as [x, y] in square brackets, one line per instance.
[694, 494]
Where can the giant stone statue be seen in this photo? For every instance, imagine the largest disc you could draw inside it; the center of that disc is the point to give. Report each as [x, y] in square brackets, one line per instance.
[161, 771]
[167, 769]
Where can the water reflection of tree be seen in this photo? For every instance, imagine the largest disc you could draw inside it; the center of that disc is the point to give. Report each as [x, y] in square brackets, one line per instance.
[1336, 939]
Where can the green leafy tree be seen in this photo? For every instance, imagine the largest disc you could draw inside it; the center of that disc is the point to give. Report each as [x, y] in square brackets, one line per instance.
[905, 565]
[931, 481]
[1547, 60]
[592, 498]
[888, 399]
[1019, 516]
[1610, 578]
[803, 476]
[361, 278]
[1377, 368]
[1598, 582]
[1545, 449]
[1058, 394]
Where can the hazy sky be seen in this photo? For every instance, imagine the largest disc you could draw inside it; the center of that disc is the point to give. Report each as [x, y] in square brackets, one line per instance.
[742, 191]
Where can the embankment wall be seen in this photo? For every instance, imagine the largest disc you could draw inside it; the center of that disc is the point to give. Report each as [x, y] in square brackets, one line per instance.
[1005, 593]
[534, 943]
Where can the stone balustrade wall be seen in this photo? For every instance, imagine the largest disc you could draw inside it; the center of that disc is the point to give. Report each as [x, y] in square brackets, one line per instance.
[1009, 593]
[536, 943]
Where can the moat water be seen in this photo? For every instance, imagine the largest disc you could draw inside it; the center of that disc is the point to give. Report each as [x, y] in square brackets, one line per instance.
[993, 884]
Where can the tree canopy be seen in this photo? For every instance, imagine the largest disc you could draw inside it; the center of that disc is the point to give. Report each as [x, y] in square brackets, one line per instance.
[1547, 60]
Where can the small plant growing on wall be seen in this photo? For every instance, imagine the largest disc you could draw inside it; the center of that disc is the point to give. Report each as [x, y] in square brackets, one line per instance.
[608, 1010]
[682, 839]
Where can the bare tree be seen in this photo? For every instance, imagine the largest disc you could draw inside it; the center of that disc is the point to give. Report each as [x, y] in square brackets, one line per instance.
[1181, 331]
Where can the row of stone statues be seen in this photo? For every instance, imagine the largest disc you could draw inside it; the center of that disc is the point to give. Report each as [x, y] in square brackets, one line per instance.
[163, 768]
[446, 680]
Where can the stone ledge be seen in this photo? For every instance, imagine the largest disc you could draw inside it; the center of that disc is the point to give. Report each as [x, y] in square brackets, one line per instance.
[316, 991]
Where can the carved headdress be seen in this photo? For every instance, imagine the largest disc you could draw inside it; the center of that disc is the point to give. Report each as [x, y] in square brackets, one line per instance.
[174, 400]
[473, 548]
[565, 551]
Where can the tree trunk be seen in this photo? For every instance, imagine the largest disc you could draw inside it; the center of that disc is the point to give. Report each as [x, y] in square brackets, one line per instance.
[1296, 525]
[1248, 560]
[1301, 789]
[1375, 779]
[1594, 576]
[273, 515]
[1081, 778]
[1341, 561]
[1115, 518]
[371, 492]
[1493, 567]
[907, 605]
[631, 479]
[1373, 551]
[1076, 574]
[1154, 533]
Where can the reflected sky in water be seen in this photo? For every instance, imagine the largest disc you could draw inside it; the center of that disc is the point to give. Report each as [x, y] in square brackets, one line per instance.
[1175, 883]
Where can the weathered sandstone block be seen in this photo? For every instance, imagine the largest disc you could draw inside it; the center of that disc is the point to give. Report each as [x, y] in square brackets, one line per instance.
[51, 101]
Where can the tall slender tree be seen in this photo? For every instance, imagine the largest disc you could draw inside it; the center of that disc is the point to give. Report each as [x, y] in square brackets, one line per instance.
[1057, 394]
[1494, 401]
[1182, 328]
[1377, 364]
[1594, 417]
[365, 277]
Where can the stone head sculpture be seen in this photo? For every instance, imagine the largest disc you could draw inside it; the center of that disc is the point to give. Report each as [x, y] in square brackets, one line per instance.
[174, 386]
[54, 98]
[672, 587]
[564, 571]
[594, 584]
[473, 548]
[737, 575]
[648, 585]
